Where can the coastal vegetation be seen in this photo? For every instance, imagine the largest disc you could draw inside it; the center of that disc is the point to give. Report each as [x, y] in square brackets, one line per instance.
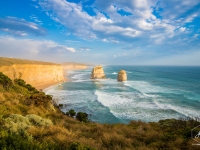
[29, 120]
[13, 61]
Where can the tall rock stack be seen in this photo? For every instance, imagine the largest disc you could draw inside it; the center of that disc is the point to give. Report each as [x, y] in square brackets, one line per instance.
[122, 76]
[98, 73]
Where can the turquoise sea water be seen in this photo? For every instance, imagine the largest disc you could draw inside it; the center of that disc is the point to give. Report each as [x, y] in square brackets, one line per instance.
[150, 94]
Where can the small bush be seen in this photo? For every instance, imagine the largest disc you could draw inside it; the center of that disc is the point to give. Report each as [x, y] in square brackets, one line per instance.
[12, 141]
[71, 113]
[39, 121]
[38, 99]
[22, 83]
[81, 116]
[5, 81]
[60, 105]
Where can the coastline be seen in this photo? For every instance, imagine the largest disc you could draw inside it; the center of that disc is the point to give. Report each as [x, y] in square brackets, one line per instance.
[49, 85]
[44, 86]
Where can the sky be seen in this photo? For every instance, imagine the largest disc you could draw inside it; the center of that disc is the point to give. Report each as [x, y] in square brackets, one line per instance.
[108, 32]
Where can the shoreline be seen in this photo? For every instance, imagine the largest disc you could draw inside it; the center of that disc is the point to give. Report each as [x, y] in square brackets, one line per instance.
[45, 90]
[45, 87]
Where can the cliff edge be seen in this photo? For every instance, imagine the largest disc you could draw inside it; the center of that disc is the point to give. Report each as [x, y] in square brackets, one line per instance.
[37, 73]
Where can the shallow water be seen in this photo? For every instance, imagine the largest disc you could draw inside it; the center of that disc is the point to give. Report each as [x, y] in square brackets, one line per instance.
[150, 94]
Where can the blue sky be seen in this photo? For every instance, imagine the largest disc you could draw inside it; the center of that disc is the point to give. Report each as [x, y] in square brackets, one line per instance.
[129, 32]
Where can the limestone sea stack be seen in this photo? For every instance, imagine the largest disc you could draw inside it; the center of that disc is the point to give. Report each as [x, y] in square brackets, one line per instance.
[122, 76]
[98, 73]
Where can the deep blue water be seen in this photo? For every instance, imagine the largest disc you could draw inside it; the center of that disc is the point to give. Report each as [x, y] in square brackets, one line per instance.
[150, 94]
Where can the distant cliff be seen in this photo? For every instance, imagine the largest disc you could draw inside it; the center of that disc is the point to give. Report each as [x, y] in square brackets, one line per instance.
[73, 66]
[36, 73]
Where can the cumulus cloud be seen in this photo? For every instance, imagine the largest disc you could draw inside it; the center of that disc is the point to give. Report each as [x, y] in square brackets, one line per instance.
[31, 48]
[69, 15]
[145, 23]
[21, 27]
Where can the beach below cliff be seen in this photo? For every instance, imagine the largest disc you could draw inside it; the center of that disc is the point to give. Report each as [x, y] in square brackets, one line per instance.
[43, 86]
[67, 67]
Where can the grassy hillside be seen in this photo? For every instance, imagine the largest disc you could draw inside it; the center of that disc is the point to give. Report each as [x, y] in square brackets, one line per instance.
[11, 61]
[28, 120]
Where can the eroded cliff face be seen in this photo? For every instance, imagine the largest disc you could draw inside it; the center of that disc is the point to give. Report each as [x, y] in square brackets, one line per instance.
[35, 74]
[71, 66]
[98, 73]
[122, 76]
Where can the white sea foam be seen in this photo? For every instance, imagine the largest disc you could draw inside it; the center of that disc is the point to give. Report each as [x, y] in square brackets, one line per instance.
[192, 96]
[145, 87]
[124, 105]
[114, 73]
[125, 100]
[181, 109]
[188, 112]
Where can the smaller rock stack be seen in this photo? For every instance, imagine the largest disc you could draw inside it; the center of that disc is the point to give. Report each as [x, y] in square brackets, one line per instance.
[98, 73]
[122, 76]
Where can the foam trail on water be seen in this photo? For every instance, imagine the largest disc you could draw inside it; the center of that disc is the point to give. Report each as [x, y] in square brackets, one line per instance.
[114, 73]
[123, 105]
[137, 98]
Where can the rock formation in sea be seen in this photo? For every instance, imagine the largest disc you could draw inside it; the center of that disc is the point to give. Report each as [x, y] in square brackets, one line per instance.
[122, 76]
[98, 73]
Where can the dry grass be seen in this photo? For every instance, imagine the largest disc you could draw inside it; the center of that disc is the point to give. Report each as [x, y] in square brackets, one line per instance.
[42, 124]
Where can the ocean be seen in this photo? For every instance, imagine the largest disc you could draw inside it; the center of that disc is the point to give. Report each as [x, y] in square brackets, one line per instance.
[150, 94]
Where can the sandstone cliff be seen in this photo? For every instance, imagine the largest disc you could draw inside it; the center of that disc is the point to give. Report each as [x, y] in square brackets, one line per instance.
[122, 76]
[73, 66]
[36, 75]
[98, 73]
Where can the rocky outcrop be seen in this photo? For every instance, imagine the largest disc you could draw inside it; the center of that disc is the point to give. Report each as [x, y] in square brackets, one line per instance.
[122, 76]
[98, 73]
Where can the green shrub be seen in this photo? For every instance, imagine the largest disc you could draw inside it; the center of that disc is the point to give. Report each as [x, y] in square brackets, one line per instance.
[81, 116]
[12, 141]
[5, 81]
[38, 99]
[39, 121]
[71, 113]
[22, 83]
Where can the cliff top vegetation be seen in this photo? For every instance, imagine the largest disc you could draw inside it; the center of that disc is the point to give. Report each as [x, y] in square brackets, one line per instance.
[29, 120]
[4, 61]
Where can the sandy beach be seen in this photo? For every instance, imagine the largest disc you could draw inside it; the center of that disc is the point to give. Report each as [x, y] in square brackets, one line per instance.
[42, 86]
[47, 85]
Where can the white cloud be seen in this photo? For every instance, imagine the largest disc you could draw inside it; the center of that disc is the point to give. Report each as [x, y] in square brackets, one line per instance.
[20, 27]
[108, 23]
[31, 48]
[182, 29]
[70, 15]
[35, 19]
[105, 40]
